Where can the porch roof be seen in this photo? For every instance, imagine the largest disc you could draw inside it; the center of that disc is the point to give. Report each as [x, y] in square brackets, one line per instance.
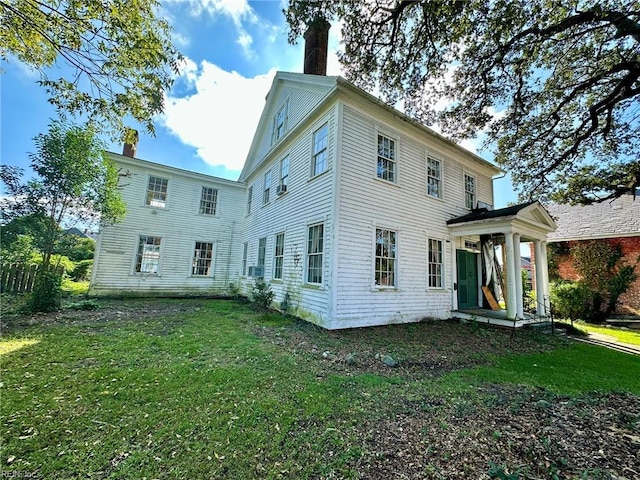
[530, 219]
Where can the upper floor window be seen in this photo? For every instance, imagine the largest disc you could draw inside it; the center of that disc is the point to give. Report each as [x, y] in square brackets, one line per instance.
[267, 188]
[386, 169]
[386, 255]
[249, 199]
[469, 191]
[278, 256]
[280, 123]
[320, 143]
[148, 255]
[315, 249]
[434, 177]
[284, 174]
[157, 192]
[435, 261]
[208, 201]
[202, 259]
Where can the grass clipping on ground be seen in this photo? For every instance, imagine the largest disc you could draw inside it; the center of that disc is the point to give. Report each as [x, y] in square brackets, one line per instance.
[209, 389]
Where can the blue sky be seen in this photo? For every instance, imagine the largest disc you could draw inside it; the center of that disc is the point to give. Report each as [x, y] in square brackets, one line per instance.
[232, 49]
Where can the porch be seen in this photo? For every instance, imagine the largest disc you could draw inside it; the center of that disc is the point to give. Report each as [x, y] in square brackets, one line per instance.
[481, 279]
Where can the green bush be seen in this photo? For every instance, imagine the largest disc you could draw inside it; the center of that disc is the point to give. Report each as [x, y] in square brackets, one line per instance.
[261, 294]
[572, 300]
[47, 293]
[82, 270]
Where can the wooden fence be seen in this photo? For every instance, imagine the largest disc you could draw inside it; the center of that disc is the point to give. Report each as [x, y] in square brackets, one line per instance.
[17, 278]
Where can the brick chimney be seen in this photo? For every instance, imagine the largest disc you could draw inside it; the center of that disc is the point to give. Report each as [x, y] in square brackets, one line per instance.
[316, 42]
[130, 143]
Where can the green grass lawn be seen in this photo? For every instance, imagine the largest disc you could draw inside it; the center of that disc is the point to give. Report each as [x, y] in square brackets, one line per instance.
[622, 335]
[222, 392]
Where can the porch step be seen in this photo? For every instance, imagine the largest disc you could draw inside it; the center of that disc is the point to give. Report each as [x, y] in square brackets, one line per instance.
[548, 328]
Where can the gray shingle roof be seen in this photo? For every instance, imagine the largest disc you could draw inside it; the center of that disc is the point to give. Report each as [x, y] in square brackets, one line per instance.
[620, 217]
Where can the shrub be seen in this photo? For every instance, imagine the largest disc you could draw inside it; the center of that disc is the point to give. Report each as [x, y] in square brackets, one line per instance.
[572, 300]
[261, 294]
[47, 293]
[82, 270]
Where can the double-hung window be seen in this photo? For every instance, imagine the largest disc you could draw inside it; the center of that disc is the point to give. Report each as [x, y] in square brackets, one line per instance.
[262, 251]
[280, 123]
[435, 261]
[386, 256]
[278, 256]
[434, 177]
[245, 250]
[208, 201]
[148, 255]
[202, 259]
[267, 188]
[320, 144]
[386, 167]
[315, 248]
[249, 199]
[157, 192]
[469, 191]
[284, 174]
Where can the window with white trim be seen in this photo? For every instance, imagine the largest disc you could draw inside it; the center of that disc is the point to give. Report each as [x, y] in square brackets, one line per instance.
[249, 199]
[208, 201]
[315, 248]
[434, 177]
[280, 121]
[469, 191]
[386, 168]
[267, 188]
[157, 192]
[386, 257]
[245, 251]
[284, 172]
[320, 144]
[202, 259]
[262, 251]
[148, 255]
[278, 256]
[435, 261]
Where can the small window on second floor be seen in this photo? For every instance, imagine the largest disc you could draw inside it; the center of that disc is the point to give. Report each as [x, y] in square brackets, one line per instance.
[469, 191]
[434, 177]
[284, 173]
[319, 156]
[386, 168]
[208, 201]
[267, 188]
[157, 192]
[249, 199]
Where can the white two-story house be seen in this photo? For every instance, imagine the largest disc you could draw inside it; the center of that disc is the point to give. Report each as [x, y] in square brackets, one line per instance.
[354, 213]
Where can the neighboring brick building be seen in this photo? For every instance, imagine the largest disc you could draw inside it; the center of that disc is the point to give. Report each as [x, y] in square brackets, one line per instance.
[617, 222]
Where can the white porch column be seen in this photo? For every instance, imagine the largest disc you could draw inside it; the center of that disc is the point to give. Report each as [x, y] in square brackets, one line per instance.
[454, 272]
[545, 277]
[540, 266]
[518, 268]
[512, 309]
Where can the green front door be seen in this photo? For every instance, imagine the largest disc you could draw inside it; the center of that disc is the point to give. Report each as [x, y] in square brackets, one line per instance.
[467, 279]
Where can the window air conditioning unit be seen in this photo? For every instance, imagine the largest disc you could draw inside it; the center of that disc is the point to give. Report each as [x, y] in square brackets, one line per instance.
[485, 205]
[281, 189]
[256, 271]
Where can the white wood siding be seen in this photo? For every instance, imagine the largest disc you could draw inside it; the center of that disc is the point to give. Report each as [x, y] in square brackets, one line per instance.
[308, 201]
[179, 225]
[301, 101]
[367, 203]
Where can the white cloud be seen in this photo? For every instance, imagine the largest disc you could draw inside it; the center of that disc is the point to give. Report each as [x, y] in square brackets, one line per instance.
[219, 120]
[239, 11]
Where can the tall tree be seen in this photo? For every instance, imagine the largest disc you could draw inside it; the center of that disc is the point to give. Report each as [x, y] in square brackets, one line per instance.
[119, 51]
[563, 77]
[75, 183]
